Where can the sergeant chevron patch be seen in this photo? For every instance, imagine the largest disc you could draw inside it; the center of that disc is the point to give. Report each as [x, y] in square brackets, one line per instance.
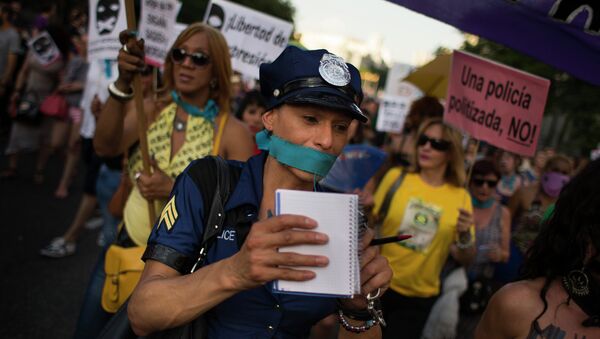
[169, 215]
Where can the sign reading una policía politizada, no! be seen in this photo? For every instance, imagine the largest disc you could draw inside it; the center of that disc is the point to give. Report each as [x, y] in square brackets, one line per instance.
[106, 20]
[496, 103]
[253, 37]
[157, 27]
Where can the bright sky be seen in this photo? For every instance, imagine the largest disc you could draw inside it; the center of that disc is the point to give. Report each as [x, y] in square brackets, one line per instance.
[410, 37]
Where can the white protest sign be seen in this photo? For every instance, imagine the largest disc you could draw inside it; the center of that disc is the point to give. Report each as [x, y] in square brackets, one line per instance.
[253, 37]
[157, 27]
[106, 20]
[394, 78]
[392, 113]
[99, 75]
[43, 49]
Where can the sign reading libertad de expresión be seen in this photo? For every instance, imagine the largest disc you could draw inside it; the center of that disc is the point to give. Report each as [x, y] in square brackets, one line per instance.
[495, 103]
[253, 37]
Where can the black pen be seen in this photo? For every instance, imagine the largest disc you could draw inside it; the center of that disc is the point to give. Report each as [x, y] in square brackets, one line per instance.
[388, 240]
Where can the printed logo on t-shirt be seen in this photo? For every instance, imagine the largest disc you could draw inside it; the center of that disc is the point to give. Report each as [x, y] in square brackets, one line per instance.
[421, 220]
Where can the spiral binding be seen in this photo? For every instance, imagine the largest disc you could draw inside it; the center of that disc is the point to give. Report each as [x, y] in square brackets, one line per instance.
[356, 232]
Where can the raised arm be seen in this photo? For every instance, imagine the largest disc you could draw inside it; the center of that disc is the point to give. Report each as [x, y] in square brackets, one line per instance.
[116, 130]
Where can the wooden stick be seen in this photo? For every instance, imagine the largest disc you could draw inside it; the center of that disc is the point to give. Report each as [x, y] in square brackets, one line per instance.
[471, 167]
[138, 97]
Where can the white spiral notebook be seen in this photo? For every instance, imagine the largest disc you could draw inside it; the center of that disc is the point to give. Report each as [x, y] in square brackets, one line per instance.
[337, 216]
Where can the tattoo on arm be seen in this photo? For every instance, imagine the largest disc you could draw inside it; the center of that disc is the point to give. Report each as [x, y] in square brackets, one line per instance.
[550, 332]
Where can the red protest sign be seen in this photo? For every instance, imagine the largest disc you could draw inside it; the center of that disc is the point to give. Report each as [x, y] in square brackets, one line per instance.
[496, 103]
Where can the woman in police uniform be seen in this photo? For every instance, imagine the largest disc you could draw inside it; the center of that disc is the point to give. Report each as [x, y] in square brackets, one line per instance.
[312, 98]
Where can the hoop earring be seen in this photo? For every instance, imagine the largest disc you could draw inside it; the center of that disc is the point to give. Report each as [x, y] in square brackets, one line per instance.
[577, 283]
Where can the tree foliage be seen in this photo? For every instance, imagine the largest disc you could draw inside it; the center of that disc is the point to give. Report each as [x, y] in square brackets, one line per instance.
[577, 101]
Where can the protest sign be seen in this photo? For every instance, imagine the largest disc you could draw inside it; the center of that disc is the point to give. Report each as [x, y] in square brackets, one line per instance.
[394, 84]
[157, 28]
[392, 113]
[106, 20]
[253, 37]
[496, 103]
[43, 49]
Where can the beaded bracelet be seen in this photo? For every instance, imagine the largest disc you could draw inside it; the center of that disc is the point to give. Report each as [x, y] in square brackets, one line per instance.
[465, 245]
[362, 315]
[355, 329]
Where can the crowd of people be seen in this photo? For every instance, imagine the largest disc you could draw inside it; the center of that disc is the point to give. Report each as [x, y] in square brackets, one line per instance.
[480, 218]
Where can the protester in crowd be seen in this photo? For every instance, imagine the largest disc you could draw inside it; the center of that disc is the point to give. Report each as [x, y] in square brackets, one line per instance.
[92, 317]
[527, 207]
[193, 113]
[402, 146]
[231, 289]
[558, 297]
[72, 88]
[91, 102]
[35, 82]
[10, 48]
[250, 111]
[237, 92]
[531, 170]
[511, 180]
[429, 203]
[77, 22]
[42, 20]
[492, 238]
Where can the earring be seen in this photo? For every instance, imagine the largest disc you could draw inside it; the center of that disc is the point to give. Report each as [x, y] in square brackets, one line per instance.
[213, 84]
[577, 283]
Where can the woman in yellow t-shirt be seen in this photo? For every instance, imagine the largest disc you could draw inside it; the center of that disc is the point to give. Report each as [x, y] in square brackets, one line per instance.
[431, 205]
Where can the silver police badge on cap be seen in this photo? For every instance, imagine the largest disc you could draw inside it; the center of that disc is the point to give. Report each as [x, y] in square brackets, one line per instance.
[334, 70]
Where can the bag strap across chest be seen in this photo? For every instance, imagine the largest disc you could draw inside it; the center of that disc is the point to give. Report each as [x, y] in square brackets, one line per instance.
[217, 179]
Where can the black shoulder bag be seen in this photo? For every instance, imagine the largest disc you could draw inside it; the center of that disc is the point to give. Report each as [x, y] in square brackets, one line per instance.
[217, 178]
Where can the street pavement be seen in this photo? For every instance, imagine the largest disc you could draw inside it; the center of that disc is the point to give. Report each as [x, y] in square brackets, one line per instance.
[40, 297]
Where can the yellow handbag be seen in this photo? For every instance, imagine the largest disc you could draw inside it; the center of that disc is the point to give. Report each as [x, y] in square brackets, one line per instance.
[123, 267]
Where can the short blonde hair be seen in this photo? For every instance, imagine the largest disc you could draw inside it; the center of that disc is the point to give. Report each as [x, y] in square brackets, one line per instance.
[455, 170]
[220, 61]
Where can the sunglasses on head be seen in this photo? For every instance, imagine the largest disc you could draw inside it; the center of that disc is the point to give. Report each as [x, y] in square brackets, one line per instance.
[436, 144]
[178, 55]
[480, 182]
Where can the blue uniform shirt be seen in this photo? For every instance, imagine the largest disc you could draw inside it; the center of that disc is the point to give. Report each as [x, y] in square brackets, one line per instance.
[256, 313]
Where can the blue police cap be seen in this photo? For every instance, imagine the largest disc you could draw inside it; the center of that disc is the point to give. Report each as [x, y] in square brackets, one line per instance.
[312, 77]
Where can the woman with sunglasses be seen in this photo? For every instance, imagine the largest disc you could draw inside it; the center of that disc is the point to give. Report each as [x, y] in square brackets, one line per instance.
[527, 208]
[560, 294]
[430, 204]
[193, 114]
[492, 237]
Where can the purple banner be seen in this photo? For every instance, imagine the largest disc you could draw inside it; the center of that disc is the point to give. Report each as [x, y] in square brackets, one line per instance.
[562, 33]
